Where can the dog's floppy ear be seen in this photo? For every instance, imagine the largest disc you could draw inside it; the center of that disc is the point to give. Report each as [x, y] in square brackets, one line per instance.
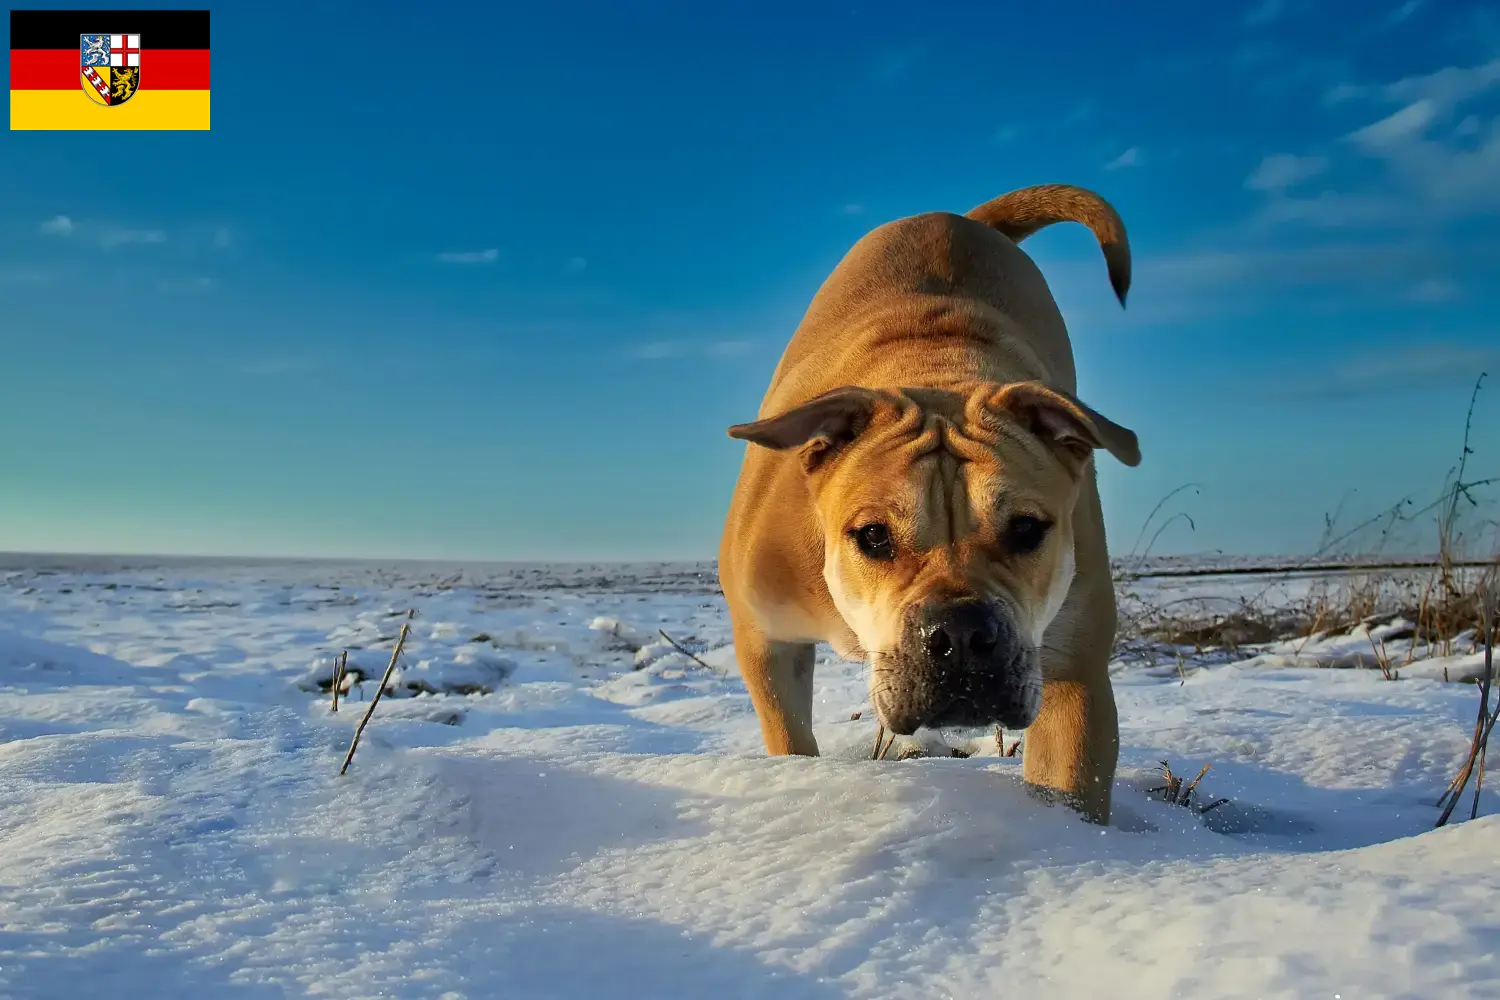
[1059, 419]
[820, 426]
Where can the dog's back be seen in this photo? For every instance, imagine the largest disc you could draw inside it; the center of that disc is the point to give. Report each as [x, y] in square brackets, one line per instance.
[945, 293]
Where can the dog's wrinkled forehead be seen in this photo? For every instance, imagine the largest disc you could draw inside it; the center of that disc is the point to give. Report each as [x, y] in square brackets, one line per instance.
[866, 440]
[940, 465]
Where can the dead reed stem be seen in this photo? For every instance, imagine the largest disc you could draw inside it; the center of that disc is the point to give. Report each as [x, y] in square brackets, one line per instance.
[1484, 722]
[340, 664]
[684, 652]
[384, 680]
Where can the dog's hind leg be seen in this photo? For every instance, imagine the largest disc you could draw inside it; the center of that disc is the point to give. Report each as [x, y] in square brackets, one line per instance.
[779, 676]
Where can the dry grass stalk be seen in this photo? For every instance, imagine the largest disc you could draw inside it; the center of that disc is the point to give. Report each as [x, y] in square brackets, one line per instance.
[684, 652]
[1383, 659]
[1174, 792]
[1441, 598]
[1015, 747]
[1483, 724]
[879, 754]
[384, 681]
[340, 664]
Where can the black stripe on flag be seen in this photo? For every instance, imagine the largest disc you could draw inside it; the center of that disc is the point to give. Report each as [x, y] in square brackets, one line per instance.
[59, 29]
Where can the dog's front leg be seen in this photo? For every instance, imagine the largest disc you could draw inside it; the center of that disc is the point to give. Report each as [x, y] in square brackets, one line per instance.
[780, 678]
[1073, 746]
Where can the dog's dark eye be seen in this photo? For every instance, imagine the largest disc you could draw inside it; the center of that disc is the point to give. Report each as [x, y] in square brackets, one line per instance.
[874, 540]
[1025, 534]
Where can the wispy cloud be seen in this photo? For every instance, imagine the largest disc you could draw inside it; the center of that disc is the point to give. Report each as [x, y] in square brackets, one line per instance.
[1005, 133]
[58, 225]
[193, 285]
[852, 208]
[1403, 12]
[576, 265]
[1403, 126]
[1130, 158]
[1427, 365]
[223, 238]
[1430, 167]
[106, 236]
[469, 256]
[1400, 368]
[112, 237]
[664, 350]
[1280, 171]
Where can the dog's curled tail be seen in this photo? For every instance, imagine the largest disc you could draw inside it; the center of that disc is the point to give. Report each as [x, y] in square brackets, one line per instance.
[1024, 211]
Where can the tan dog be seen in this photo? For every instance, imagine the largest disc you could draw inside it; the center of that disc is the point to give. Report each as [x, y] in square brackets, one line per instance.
[921, 495]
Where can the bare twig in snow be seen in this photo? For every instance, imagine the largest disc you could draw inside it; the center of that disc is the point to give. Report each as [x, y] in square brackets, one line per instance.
[384, 680]
[684, 652]
[340, 664]
[1484, 722]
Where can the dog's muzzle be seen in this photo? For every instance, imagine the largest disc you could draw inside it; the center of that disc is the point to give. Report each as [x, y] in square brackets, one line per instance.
[961, 663]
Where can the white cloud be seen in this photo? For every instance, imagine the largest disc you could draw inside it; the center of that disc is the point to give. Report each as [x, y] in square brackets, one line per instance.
[1331, 209]
[186, 286]
[469, 256]
[1424, 365]
[1280, 171]
[1130, 158]
[223, 238]
[59, 225]
[1343, 93]
[110, 238]
[662, 350]
[106, 236]
[1402, 126]
[576, 265]
[1446, 87]
[852, 208]
[1006, 133]
[658, 350]
[731, 348]
[1433, 168]
[1398, 368]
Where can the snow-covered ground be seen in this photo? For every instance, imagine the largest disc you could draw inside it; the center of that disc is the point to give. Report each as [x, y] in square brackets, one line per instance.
[595, 818]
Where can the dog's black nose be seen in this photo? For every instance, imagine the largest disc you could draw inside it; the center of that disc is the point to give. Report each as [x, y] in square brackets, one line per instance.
[959, 632]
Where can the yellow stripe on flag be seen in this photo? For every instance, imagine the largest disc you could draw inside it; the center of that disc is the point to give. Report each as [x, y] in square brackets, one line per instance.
[72, 110]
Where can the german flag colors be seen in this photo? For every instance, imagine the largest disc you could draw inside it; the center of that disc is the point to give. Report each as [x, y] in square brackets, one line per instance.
[109, 69]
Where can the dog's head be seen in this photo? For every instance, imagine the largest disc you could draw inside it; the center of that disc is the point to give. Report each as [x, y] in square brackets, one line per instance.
[947, 527]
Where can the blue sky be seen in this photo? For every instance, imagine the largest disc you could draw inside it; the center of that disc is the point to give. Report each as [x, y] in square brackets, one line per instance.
[491, 282]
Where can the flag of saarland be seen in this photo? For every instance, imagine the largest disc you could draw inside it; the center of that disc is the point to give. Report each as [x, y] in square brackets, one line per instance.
[109, 69]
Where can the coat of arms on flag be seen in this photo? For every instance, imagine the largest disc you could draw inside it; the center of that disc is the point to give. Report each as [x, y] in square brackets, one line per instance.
[111, 67]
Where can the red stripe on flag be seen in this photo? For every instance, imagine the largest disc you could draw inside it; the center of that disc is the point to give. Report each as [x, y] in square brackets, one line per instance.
[59, 69]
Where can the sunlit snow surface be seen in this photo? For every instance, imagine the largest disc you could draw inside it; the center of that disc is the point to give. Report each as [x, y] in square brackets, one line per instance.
[603, 821]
